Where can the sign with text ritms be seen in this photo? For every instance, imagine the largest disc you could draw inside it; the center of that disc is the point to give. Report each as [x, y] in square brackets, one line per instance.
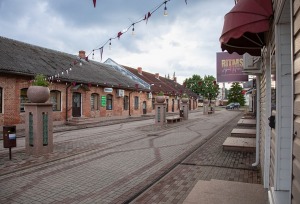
[230, 67]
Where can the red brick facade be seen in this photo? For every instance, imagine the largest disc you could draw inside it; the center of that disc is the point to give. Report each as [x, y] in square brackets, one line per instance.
[12, 84]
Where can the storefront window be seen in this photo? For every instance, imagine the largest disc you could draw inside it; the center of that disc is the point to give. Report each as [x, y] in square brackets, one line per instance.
[94, 101]
[23, 99]
[109, 102]
[136, 102]
[55, 98]
[126, 103]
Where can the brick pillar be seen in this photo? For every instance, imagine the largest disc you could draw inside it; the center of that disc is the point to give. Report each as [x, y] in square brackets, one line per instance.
[38, 128]
[160, 113]
[185, 108]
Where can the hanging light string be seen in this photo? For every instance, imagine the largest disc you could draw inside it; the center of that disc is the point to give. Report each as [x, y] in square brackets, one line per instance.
[94, 2]
[120, 33]
[56, 77]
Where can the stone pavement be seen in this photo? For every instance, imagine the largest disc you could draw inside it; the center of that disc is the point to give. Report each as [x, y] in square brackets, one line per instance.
[208, 162]
[131, 162]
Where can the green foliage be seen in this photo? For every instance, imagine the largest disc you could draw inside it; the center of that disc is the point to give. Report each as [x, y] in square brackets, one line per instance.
[184, 95]
[235, 94]
[39, 80]
[226, 93]
[160, 93]
[206, 87]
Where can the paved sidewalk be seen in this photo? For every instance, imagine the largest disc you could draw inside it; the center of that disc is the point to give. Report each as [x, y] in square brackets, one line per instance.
[208, 162]
[117, 163]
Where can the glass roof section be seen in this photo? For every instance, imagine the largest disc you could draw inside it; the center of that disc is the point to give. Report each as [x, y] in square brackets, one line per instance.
[127, 73]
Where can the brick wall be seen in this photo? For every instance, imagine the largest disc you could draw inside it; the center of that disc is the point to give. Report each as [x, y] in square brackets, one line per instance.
[12, 84]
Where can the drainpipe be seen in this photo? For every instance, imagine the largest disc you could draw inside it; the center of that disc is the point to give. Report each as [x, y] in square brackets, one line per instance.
[67, 101]
[129, 101]
[257, 120]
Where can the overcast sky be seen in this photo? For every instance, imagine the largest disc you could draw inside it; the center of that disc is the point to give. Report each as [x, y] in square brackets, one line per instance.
[184, 42]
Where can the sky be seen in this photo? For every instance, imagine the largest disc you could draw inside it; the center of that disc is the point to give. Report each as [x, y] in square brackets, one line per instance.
[185, 42]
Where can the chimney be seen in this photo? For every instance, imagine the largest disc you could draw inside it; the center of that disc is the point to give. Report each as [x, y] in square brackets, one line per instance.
[175, 79]
[140, 70]
[82, 54]
[157, 75]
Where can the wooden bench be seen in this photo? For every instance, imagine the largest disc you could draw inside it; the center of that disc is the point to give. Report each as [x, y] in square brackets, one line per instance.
[172, 119]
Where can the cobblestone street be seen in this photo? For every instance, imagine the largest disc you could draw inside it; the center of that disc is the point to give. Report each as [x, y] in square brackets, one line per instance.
[134, 162]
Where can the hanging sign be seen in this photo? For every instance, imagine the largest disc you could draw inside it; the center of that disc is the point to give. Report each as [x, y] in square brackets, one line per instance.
[108, 90]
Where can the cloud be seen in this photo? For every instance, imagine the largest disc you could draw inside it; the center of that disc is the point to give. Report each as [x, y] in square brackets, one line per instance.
[184, 42]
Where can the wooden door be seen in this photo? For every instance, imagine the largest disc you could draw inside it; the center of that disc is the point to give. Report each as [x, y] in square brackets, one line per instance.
[76, 105]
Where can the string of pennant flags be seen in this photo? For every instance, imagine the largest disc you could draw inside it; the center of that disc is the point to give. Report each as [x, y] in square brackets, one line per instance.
[109, 41]
[95, 1]
[120, 33]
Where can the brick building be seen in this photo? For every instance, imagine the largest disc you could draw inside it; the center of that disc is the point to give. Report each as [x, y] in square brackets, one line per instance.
[78, 87]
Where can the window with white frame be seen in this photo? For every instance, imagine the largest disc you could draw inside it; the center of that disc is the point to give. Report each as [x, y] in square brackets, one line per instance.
[55, 98]
[94, 101]
[23, 99]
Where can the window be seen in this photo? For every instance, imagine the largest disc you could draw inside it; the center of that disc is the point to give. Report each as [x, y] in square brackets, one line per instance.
[126, 103]
[23, 99]
[109, 102]
[94, 101]
[136, 102]
[1, 99]
[153, 101]
[55, 99]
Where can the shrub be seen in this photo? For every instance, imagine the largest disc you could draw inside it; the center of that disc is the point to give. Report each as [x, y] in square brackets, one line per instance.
[39, 80]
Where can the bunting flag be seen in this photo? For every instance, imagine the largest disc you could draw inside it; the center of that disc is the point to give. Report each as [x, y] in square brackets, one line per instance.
[119, 35]
[147, 16]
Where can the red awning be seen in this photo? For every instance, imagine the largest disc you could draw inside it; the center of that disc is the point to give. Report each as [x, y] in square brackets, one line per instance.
[244, 27]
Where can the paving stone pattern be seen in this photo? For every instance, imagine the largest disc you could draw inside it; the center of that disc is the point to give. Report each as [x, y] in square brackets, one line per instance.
[206, 163]
[114, 164]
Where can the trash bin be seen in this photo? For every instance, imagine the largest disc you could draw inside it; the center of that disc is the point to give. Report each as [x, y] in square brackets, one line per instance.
[181, 113]
[9, 136]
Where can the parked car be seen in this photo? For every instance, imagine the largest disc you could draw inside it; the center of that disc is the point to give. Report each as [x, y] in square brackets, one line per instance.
[237, 105]
[234, 105]
[230, 106]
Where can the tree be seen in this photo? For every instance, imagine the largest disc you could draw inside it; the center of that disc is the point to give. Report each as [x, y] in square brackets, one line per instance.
[207, 87]
[235, 94]
[193, 83]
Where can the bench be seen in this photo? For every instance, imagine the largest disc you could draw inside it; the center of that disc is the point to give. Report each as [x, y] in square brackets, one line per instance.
[173, 119]
[210, 112]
